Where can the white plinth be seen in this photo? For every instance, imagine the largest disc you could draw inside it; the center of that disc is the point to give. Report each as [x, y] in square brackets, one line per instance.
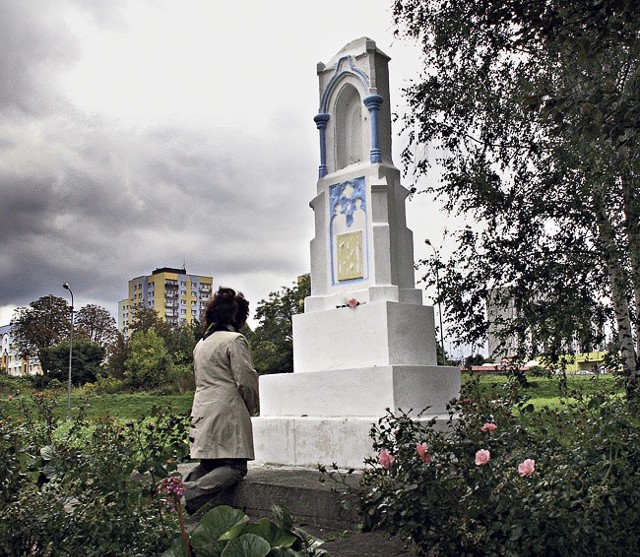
[373, 334]
[325, 417]
[359, 392]
[309, 441]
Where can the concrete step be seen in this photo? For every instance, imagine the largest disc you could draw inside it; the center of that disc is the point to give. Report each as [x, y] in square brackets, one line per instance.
[322, 509]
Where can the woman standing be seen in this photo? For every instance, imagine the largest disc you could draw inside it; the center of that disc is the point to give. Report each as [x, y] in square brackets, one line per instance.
[226, 396]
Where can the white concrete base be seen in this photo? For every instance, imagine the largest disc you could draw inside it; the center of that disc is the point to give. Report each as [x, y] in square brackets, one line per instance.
[309, 441]
[325, 417]
[373, 334]
[359, 392]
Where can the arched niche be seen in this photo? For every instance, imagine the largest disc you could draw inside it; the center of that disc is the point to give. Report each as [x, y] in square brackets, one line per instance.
[348, 125]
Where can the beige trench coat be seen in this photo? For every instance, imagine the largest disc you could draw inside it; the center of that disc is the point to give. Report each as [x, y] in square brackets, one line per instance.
[226, 396]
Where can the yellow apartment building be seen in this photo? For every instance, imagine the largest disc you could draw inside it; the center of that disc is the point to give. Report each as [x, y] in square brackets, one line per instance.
[176, 296]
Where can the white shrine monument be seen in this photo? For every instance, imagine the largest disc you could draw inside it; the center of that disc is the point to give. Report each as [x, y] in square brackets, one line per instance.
[365, 341]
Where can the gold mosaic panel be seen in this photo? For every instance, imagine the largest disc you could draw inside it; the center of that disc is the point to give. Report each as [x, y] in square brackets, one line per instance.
[350, 264]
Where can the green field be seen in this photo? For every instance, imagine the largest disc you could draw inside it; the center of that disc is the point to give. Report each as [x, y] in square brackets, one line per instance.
[130, 406]
[547, 391]
[542, 391]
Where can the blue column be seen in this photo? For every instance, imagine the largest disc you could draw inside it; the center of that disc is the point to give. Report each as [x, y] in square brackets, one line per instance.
[321, 122]
[373, 102]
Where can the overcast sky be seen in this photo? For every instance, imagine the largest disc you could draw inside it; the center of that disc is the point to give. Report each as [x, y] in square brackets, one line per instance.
[137, 134]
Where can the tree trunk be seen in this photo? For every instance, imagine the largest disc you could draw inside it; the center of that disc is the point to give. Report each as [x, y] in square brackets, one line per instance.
[632, 221]
[618, 284]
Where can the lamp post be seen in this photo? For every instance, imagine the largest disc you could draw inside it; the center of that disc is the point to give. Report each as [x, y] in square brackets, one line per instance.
[428, 242]
[67, 287]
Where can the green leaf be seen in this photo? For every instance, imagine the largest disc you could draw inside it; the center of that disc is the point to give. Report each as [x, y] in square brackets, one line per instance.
[219, 521]
[47, 452]
[283, 517]
[204, 547]
[276, 536]
[516, 532]
[247, 545]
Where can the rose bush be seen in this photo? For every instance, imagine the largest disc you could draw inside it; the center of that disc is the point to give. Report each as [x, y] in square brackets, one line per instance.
[501, 479]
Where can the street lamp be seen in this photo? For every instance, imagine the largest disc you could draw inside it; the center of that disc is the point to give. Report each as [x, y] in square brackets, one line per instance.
[67, 287]
[428, 242]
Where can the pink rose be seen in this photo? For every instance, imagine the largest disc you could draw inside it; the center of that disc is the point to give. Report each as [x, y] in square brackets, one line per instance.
[527, 468]
[489, 427]
[482, 457]
[353, 303]
[386, 459]
[422, 449]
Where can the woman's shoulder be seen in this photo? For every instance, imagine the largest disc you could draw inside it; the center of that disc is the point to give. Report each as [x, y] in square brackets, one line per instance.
[224, 337]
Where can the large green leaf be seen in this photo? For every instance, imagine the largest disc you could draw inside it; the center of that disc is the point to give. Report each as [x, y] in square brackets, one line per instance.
[205, 539]
[220, 520]
[276, 536]
[247, 545]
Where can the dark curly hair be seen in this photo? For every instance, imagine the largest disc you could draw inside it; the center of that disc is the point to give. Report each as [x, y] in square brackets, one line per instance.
[226, 307]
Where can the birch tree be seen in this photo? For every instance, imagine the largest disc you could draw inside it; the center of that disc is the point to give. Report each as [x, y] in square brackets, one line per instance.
[532, 110]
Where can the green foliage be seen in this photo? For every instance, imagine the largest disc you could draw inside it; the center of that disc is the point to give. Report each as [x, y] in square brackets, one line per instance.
[157, 355]
[86, 362]
[104, 386]
[149, 363]
[117, 355]
[531, 108]
[72, 488]
[10, 385]
[96, 324]
[272, 341]
[579, 498]
[228, 532]
[45, 322]
[181, 341]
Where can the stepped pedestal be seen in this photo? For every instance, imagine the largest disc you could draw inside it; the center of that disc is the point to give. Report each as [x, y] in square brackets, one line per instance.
[365, 344]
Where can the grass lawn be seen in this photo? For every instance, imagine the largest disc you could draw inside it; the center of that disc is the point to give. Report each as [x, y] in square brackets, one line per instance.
[129, 406]
[543, 391]
[548, 391]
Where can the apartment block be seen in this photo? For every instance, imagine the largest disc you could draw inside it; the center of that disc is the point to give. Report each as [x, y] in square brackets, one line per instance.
[176, 296]
[11, 362]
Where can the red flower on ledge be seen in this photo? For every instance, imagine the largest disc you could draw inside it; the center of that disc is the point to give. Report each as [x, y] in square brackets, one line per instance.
[352, 303]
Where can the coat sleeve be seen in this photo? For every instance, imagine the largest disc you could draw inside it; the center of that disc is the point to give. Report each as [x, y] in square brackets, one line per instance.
[244, 374]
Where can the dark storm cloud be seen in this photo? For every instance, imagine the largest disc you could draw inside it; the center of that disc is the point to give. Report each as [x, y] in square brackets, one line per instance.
[95, 202]
[118, 205]
[34, 46]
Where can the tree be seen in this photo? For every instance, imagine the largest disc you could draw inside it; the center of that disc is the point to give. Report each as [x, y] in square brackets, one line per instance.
[149, 363]
[533, 110]
[96, 324]
[181, 340]
[272, 341]
[45, 322]
[144, 318]
[85, 364]
[117, 354]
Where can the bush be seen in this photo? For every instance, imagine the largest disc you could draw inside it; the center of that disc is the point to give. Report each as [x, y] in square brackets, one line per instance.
[504, 480]
[105, 386]
[12, 386]
[77, 488]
